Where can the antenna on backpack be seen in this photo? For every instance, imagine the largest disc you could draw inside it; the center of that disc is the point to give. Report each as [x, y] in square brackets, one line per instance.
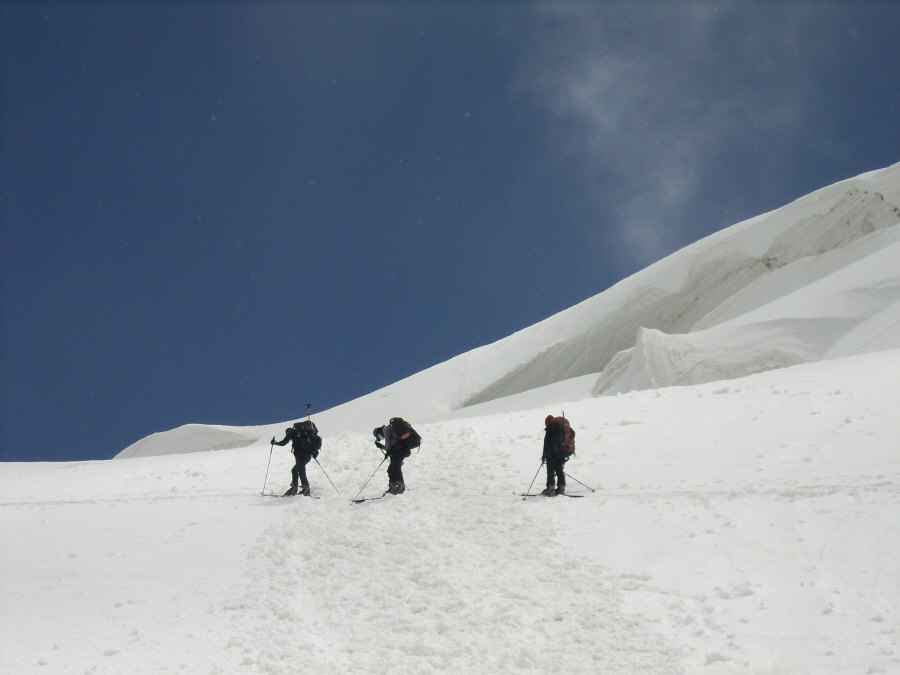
[308, 411]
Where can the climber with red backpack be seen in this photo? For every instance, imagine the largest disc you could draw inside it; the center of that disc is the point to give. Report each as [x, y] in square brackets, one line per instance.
[559, 446]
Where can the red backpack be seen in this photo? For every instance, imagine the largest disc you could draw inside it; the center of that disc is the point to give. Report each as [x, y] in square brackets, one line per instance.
[568, 435]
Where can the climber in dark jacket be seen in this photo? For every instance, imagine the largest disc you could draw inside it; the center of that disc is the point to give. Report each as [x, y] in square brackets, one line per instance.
[554, 456]
[305, 444]
[397, 439]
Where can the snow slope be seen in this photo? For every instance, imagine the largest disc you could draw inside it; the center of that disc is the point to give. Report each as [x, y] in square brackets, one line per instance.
[758, 537]
[814, 279]
[743, 521]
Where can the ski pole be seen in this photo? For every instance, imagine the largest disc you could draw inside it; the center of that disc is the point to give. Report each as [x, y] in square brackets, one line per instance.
[525, 496]
[370, 478]
[271, 447]
[580, 483]
[327, 476]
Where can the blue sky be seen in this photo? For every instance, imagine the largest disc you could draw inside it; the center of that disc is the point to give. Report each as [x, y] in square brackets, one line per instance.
[215, 212]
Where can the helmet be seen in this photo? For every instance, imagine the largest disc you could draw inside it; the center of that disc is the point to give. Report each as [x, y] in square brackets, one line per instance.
[548, 420]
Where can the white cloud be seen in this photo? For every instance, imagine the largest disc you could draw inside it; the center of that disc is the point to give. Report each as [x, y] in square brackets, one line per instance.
[646, 99]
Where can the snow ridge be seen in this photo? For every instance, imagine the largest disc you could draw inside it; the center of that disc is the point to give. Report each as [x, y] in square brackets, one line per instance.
[804, 282]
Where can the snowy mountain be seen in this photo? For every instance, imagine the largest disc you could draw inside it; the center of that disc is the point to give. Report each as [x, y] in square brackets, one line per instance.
[816, 279]
[743, 521]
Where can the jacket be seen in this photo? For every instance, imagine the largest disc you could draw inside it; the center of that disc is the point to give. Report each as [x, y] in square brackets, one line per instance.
[554, 441]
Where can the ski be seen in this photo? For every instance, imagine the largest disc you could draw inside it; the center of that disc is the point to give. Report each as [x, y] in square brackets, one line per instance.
[272, 494]
[538, 494]
[370, 499]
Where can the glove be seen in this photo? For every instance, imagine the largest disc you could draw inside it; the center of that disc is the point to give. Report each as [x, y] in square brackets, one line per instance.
[378, 445]
[315, 453]
[273, 440]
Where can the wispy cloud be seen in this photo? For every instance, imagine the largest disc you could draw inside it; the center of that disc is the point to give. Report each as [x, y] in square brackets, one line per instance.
[648, 101]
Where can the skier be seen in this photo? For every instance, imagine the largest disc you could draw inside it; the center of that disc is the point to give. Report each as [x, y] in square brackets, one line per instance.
[305, 444]
[555, 455]
[399, 440]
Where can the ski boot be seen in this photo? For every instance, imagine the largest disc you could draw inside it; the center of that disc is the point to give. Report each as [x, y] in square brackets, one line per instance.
[400, 488]
[291, 491]
[304, 491]
[561, 490]
[549, 491]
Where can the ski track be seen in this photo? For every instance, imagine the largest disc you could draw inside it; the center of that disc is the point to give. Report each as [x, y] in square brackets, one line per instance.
[495, 591]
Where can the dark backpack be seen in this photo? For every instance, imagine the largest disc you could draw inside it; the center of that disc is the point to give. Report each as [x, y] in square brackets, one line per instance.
[308, 435]
[568, 444]
[403, 431]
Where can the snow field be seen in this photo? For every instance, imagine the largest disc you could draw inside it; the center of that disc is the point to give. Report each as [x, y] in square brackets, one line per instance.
[772, 503]
[122, 569]
[451, 576]
[746, 526]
